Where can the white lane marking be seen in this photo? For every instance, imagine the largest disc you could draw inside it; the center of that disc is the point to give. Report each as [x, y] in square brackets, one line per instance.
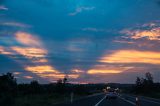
[100, 101]
[128, 101]
[142, 98]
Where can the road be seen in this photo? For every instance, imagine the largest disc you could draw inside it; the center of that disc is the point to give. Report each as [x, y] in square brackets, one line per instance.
[123, 100]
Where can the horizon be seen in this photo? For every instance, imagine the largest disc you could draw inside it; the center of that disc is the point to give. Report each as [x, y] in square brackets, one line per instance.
[96, 41]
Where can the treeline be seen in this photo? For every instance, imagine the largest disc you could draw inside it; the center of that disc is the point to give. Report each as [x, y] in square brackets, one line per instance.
[146, 85]
[9, 89]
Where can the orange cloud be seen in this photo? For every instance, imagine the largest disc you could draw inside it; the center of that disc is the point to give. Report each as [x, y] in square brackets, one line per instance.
[35, 55]
[40, 60]
[77, 71]
[27, 39]
[4, 51]
[41, 69]
[29, 51]
[132, 56]
[48, 72]
[28, 77]
[107, 71]
[152, 34]
[34, 49]
[16, 73]
[59, 76]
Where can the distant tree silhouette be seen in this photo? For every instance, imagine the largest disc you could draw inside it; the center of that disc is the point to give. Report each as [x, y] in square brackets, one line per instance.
[35, 87]
[65, 80]
[138, 85]
[61, 85]
[144, 85]
[34, 83]
[149, 77]
[138, 81]
[8, 89]
[7, 83]
[59, 82]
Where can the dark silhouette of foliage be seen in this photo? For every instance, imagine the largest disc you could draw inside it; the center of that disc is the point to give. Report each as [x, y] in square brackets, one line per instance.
[149, 78]
[144, 85]
[8, 89]
[61, 85]
[138, 81]
[65, 80]
[7, 83]
[35, 87]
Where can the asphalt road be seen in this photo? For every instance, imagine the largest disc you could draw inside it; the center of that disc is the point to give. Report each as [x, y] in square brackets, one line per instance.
[123, 100]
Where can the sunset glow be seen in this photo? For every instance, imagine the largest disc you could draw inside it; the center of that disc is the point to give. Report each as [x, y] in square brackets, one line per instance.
[4, 51]
[150, 34]
[103, 71]
[59, 76]
[27, 39]
[132, 56]
[30, 52]
[28, 77]
[41, 69]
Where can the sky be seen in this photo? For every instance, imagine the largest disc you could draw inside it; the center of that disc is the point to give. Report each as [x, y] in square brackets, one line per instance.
[87, 41]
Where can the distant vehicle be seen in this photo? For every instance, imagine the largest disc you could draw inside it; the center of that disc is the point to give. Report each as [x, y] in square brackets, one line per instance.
[111, 95]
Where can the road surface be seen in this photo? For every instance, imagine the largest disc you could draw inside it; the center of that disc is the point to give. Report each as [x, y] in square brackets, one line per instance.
[123, 100]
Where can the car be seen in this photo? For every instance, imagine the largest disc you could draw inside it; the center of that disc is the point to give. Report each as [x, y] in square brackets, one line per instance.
[111, 95]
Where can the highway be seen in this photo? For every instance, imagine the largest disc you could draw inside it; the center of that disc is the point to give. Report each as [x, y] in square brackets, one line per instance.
[122, 100]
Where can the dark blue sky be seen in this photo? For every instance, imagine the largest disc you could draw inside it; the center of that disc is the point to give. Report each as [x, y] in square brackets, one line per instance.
[85, 40]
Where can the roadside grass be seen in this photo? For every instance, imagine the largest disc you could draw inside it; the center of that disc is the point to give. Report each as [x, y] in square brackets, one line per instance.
[43, 99]
[40, 100]
[153, 95]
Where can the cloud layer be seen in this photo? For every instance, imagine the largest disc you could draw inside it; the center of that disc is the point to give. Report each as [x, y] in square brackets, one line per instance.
[86, 41]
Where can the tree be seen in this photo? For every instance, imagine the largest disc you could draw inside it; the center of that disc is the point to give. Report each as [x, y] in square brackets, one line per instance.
[35, 87]
[144, 85]
[34, 83]
[149, 77]
[138, 81]
[8, 89]
[60, 86]
[59, 82]
[65, 80]
[8, 83]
